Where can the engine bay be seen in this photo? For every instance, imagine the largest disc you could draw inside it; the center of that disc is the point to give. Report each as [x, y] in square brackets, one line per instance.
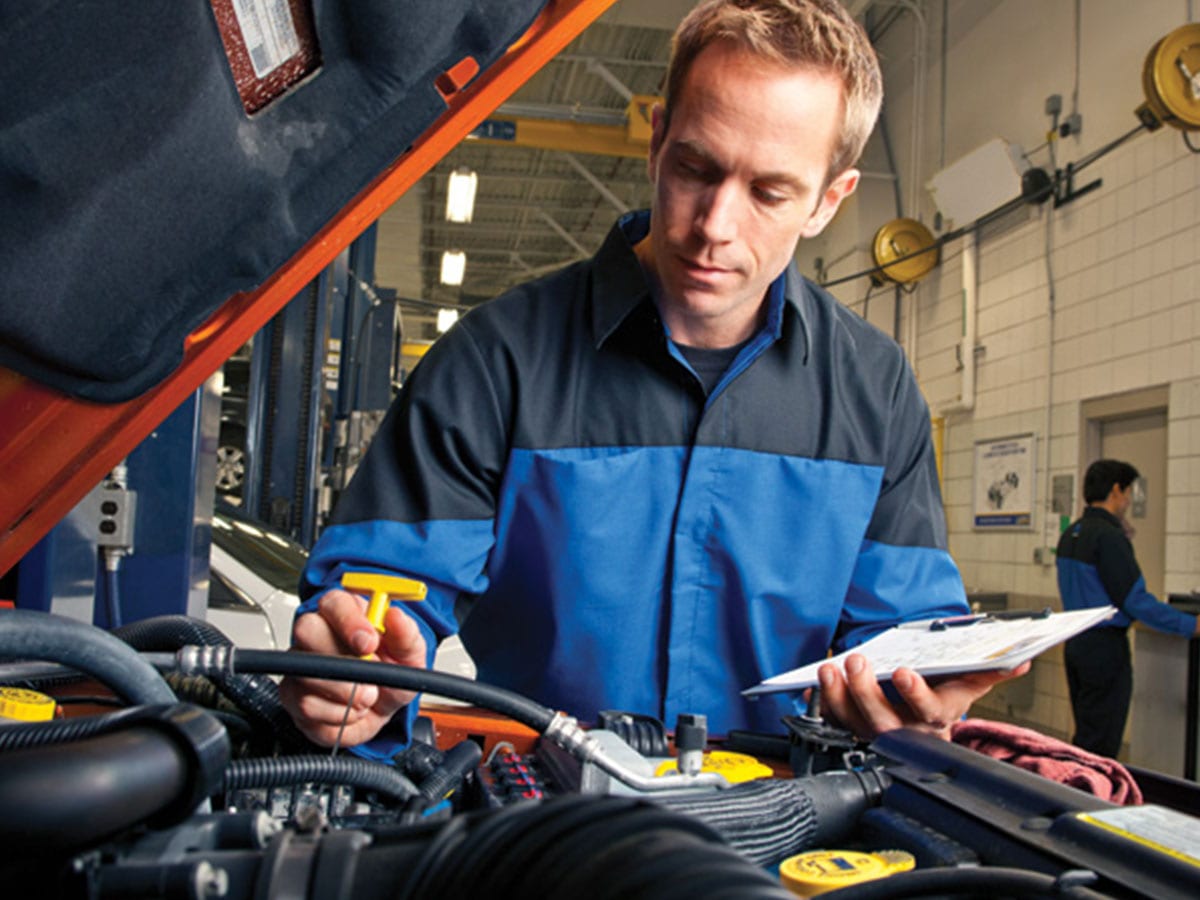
[176, 773]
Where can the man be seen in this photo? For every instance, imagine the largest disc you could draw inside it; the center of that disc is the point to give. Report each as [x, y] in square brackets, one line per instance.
[1096, 567]
[665, 473]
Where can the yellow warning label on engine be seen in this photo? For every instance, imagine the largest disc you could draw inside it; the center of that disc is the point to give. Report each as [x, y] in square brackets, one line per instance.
[1157, 827]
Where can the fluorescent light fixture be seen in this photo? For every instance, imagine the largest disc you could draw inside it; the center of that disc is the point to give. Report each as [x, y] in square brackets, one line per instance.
[460, 195]
[454, 264]
[446, 318]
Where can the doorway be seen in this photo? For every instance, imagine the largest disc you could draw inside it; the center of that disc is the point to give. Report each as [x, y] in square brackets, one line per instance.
[1133, 427]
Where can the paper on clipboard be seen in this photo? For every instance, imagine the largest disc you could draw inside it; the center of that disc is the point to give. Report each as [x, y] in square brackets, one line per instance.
[949, 646]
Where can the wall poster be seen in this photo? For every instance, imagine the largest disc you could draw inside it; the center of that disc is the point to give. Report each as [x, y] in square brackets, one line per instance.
[1004, 478]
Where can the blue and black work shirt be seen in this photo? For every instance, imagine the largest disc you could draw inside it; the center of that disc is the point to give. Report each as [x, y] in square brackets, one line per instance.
[618, 538]
[1096, 567]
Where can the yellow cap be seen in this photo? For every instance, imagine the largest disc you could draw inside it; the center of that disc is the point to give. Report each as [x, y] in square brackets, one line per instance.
[813, 873]
[25, 705]
[736, 767]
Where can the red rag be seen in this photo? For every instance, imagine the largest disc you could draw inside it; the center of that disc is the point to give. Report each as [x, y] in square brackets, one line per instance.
[1049, 757]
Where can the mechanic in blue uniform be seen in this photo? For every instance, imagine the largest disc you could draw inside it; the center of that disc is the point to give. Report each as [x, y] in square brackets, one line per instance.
[665, 473]
[1096, 567]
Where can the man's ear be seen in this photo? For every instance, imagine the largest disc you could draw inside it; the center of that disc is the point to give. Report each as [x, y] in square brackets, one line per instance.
[658, 134]
[838, 190]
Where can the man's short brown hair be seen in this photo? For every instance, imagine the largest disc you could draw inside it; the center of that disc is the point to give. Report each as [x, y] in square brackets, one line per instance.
[814, 33]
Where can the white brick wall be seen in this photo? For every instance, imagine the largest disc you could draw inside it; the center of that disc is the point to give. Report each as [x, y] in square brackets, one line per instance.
[1126, 274]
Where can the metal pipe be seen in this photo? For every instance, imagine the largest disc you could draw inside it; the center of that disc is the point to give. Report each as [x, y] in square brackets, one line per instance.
[562, 233]
[597, 68]
[620, 205]
[966, 345]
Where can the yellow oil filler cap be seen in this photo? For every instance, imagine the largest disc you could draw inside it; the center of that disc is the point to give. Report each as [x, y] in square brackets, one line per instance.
[736, 767]
[819, 871]
[22, 705]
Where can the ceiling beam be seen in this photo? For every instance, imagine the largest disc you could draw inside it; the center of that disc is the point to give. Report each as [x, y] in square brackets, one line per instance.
[577, 137]
[563, 233]
[601, 188]
[629, 138]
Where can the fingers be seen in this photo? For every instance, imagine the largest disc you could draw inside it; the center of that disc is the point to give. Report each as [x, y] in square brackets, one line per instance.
[866, 694]
[340, 627]
[402, 641]
[855, 700]
[929, 710]
[836, 705]
[344, 616]
[320, 719]
[331, 694]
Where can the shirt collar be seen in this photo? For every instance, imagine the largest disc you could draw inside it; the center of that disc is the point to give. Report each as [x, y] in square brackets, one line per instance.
[1100, 512]
[620, 286]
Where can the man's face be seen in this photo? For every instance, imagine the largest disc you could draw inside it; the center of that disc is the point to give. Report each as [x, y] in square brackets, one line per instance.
[740, 176]
[1124, 497]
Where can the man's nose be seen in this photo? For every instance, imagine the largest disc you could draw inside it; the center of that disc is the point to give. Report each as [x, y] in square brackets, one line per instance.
[721, 208]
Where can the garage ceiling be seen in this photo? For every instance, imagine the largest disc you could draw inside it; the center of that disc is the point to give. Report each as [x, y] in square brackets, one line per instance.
[536, 209]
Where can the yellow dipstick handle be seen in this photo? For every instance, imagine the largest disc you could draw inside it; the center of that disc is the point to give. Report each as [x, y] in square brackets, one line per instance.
[383, 589]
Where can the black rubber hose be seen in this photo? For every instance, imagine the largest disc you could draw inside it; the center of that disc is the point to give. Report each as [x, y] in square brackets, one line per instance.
[333, 770]
[418, 760]
[59, 731]
[25, 634]
[255, 694]
[341, 668]
[170, 633]
[585, 848]
[768, 820]
[62, 797]
[643, 733]
[68, 796]
[201, 691]
[460, 759]
[985, 882]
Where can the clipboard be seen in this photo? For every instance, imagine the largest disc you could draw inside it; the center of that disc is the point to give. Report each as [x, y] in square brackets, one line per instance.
[950, 646]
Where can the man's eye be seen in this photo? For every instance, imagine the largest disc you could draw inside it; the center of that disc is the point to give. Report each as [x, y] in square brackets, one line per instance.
[770, 198]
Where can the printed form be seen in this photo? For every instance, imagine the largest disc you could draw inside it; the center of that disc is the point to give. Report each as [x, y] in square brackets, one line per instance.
[947, 646]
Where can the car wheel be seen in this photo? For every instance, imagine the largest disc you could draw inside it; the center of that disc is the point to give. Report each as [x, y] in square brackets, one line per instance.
[231, 466]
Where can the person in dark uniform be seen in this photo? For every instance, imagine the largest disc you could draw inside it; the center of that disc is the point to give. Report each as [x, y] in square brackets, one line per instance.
[1096, 566]
[660, 475]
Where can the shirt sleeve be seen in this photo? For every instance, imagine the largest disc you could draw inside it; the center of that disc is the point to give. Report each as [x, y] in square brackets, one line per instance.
[1126, 588]
[422, 502]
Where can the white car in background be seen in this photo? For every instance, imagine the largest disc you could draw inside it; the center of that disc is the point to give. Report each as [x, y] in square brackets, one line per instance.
[254, 575]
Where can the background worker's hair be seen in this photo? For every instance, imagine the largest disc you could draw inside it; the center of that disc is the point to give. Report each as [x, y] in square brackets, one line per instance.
[1102, 475]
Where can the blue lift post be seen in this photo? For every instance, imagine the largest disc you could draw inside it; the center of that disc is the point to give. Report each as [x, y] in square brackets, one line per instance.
[349, 316]
[293, 409]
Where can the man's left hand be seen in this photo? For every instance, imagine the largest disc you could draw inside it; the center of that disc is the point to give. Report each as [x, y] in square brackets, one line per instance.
[854, 700]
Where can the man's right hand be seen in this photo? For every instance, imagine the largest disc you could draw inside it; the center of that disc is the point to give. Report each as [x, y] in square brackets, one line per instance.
[340, 626]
